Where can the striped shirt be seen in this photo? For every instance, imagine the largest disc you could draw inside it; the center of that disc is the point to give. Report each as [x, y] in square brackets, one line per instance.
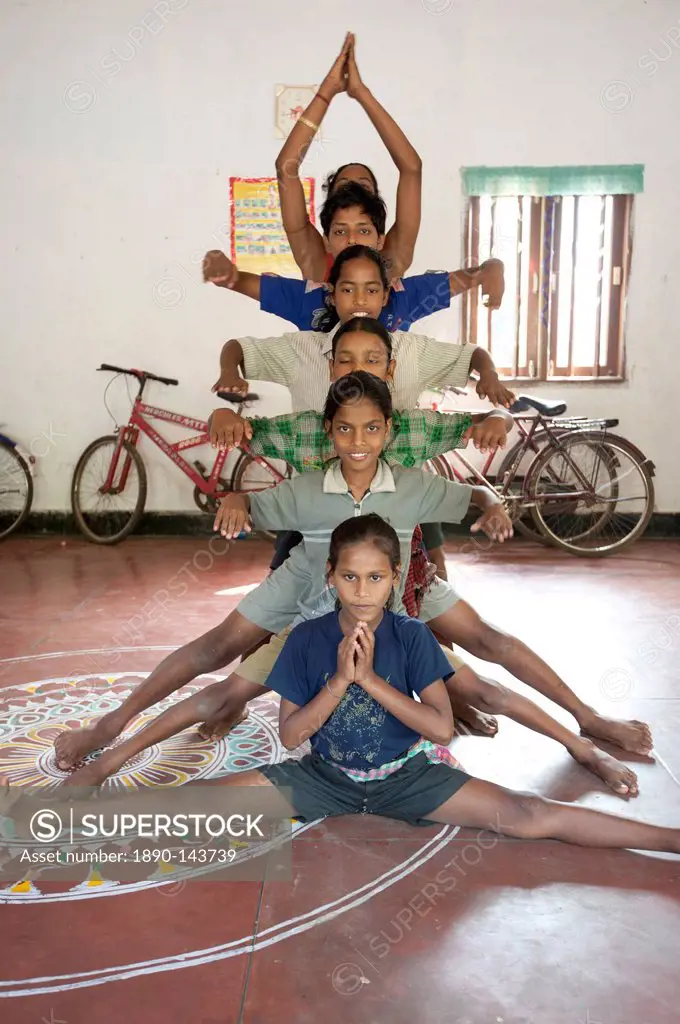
[300, 361]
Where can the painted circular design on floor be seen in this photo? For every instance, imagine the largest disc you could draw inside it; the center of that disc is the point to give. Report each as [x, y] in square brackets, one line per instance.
[34, 715]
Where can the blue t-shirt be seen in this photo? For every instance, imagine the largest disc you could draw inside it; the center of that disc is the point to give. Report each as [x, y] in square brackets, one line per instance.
[303, 303]
[360, 733]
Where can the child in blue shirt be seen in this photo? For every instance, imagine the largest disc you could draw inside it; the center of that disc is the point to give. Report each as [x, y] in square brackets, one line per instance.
[354, 216]
[348, 681]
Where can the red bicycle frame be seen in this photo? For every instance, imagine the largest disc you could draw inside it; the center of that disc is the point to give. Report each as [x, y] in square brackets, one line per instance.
[138, 421]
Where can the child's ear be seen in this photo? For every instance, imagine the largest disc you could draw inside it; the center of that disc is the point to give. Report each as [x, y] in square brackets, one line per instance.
[381, 242]
[330, 575]
[391, 368]
[388, 429]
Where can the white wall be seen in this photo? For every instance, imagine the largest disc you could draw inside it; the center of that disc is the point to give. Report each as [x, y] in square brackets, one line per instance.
[115, 175]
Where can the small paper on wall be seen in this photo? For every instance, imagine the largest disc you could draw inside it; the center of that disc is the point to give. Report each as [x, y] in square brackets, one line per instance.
[290, 103]
[258, 241]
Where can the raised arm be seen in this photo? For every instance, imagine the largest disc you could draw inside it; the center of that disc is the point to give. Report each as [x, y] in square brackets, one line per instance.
[400, 240]
[305, 240]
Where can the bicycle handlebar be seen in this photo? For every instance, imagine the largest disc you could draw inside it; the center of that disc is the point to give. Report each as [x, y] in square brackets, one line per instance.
[141, 375]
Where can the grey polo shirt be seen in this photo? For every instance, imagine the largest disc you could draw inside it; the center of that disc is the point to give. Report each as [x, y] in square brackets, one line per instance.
[314, 504]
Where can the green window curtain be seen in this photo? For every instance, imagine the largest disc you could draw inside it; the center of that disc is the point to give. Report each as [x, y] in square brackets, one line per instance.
[620, 179]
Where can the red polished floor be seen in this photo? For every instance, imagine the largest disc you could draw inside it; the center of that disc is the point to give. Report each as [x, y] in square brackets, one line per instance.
[382, 922]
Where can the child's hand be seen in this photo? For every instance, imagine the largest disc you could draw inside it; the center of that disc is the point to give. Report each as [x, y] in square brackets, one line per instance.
[354, 83]
[228, 429]
[232, 516]
[490, 434]
[336, 79]
[219, 269]
[347, 651]
[365, 652]
[232, 382]
[493, 283]
[489, 386]
[495, 523]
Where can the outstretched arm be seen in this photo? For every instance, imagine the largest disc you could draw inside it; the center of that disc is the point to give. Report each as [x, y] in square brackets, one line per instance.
[305, 240]
[231, 369]
[489, 384]
[219, 270]
[490, 275]
[401, 238]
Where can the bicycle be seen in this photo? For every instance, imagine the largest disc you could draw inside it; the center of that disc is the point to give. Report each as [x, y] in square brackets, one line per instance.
[122, 474]
[569, 506]
[16, 486]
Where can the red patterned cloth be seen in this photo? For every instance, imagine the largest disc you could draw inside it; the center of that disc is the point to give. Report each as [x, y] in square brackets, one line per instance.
[420, 575]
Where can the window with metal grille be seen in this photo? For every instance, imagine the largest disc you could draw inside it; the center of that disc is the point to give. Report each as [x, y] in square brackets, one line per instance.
[567, 263]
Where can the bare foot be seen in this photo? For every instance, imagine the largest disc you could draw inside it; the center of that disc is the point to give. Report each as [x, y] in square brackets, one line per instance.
[222, 723]
[470, 721]
[72, 745]
[617, 776]
[634, 736]
[96, 771]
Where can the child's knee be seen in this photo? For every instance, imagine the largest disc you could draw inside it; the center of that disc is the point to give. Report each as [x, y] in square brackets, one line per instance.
[523, 816]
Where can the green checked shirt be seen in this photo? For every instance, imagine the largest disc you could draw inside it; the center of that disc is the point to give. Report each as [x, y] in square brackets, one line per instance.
[299, 438]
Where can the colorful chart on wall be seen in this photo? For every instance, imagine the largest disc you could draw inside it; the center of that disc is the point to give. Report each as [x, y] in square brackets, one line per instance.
[258, 241]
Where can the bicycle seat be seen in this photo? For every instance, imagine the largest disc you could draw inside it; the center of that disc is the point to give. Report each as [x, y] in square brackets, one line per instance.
[227, 396]
[524, 403]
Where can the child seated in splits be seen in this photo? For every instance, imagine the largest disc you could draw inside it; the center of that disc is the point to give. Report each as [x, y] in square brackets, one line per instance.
[349, 681]
[360, 481]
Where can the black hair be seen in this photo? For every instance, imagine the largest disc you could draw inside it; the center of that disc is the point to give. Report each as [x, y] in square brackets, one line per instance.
[359, 529]
[329, 183]
[352, 388]
[353, 194]
[330, 318]
[365, 325]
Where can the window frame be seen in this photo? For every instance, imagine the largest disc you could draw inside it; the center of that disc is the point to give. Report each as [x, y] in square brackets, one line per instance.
[541, 340]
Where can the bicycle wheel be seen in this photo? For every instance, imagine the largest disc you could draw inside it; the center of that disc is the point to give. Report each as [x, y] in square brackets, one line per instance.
[604, 498]
[16, 489]
[117, 512]
[250, 477]
[518, 505]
